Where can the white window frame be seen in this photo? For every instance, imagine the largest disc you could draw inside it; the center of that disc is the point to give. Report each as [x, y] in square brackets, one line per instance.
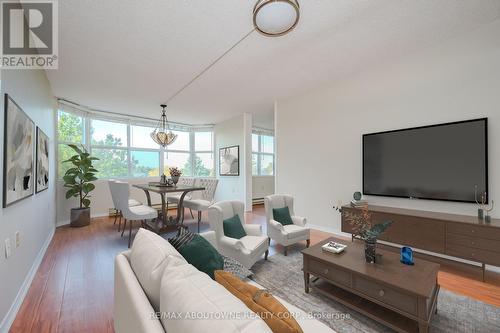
[87, 141]
[260, 153]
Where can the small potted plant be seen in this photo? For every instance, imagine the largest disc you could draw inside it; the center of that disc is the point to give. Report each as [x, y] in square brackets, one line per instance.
[78, 179]
[363, 229]
[175, 173]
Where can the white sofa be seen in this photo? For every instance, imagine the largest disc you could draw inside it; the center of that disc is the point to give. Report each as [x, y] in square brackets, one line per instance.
[180, 291]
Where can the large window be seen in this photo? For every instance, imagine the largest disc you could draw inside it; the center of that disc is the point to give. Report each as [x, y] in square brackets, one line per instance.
[127, 150]
[71, 130]
[262, 155]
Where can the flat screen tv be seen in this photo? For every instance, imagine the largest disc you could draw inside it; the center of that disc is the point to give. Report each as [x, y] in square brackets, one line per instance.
[440, 162]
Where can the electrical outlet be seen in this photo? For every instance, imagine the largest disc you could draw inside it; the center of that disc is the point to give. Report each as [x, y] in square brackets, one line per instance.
[8, 250]
[18, 239]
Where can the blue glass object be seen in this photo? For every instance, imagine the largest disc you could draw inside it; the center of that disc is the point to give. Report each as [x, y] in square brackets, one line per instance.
[407, 255]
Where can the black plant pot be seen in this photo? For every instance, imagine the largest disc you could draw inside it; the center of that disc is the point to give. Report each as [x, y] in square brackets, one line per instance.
[370, 246]
[80, 217]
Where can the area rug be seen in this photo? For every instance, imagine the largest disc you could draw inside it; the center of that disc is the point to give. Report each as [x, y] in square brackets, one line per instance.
[283, 277]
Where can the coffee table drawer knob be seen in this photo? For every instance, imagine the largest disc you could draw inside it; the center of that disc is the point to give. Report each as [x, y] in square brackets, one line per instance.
[325, 271]
[381, 293]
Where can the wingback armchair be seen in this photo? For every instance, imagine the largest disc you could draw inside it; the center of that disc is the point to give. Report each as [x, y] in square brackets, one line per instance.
[285, 235]
[248, 249]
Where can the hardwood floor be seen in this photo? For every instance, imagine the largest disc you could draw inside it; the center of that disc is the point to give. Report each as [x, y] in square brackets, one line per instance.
[73, 288]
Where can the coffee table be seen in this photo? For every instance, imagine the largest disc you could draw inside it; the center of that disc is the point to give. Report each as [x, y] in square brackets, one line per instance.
[399, 296]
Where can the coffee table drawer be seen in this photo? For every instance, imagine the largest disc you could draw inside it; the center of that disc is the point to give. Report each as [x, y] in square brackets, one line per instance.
[333, 274]
[395, 298]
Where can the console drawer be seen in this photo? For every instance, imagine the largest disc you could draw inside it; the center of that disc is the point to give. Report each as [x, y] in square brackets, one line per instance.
[484, 256]
[321, 269]
[473, 242]
[473, 230]
[405, 302]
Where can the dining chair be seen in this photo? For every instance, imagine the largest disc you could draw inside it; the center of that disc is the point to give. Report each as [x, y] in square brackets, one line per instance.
[202, 200]
[134, 213]
[118, 214]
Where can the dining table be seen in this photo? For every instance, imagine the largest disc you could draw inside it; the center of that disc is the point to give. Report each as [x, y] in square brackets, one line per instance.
[165, 223]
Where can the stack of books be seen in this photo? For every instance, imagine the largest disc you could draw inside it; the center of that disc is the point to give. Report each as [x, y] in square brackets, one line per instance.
[333, 247]
[359, 203]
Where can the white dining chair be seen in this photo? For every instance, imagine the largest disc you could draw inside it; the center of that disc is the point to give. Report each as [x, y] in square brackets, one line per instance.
[118, 214]
[135, 213]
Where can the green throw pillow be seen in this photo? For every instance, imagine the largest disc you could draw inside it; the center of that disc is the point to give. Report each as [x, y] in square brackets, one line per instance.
[233, 228]
[282, 215]
[202, 255]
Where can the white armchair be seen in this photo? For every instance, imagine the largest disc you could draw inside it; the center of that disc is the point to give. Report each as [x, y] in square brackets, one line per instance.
[248, 249]
[285, 235]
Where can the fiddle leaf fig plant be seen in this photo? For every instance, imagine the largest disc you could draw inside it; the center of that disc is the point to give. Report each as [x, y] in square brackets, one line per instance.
[79, 177]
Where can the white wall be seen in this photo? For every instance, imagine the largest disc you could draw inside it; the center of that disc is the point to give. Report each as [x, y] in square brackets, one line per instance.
[456, 80]
[101, 198]
[235, 132]
[33, 217]
[262, 186]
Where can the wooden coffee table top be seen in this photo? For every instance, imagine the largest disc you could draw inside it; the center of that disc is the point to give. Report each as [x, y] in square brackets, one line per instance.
[419, 279]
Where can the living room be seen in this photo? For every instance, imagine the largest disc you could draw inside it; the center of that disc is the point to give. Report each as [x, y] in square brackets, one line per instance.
[264, 131]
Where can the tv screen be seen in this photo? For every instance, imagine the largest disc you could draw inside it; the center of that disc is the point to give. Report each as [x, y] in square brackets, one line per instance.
[441, 162]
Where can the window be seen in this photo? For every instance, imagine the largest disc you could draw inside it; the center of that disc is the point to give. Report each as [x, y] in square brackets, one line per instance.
[127, 150]
[262, 155]
[203, 157]
[70, 129]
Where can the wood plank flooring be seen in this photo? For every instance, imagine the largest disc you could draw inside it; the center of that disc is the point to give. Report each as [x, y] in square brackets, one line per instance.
[73, 288]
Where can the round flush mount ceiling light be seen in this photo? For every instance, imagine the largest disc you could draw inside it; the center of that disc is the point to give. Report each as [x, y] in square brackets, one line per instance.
[276, 17]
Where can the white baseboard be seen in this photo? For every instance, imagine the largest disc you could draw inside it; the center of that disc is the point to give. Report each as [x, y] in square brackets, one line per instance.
[66, 222]
[339, 233]
[18, 301]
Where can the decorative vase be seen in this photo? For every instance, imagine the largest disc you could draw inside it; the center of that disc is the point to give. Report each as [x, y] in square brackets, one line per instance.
[480, 213]
[175, 179]
[370, 245]
[80, 217]
[406, 255]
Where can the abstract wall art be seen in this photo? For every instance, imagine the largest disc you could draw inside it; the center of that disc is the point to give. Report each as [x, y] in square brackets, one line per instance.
[18, 171]
[229, 161]
[42, 161]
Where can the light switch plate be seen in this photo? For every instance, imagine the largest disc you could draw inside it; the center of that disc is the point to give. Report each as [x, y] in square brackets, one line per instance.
[8, 250]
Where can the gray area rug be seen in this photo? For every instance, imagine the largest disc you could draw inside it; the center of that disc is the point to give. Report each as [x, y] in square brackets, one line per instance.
[283, 277]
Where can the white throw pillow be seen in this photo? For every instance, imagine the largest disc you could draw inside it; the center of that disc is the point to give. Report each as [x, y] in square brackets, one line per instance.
[191, 302]
[149, 256]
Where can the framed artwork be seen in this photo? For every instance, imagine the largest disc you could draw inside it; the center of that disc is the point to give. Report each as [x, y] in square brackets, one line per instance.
[19, 138]
[229, 161]
[42, 161]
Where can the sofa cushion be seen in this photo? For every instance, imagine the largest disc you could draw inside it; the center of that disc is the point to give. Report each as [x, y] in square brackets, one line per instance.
[202, 255]
[293, 231]
[149, 256]
[275, 314]
[233, 227]
[282, 215]
[203, 305]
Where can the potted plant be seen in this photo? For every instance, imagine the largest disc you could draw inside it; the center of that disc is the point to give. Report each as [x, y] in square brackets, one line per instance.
[175, 173]
[78, 179]
[363, 229]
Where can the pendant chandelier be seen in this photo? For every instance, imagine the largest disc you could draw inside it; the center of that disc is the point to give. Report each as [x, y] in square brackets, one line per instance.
[162, 135]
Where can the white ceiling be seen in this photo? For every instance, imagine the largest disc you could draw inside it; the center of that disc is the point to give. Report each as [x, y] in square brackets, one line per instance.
[129, 56]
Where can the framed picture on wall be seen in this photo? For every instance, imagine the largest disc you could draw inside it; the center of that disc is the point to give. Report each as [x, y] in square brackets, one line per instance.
[19, 138]
[42, 161]
[229, 161]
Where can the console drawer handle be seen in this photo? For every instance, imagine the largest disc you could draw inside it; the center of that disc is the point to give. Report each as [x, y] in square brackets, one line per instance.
[381, 293]
[325, 271]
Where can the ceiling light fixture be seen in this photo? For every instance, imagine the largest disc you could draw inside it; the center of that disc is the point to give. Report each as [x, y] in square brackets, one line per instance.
[162, 135]
[275, 18]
